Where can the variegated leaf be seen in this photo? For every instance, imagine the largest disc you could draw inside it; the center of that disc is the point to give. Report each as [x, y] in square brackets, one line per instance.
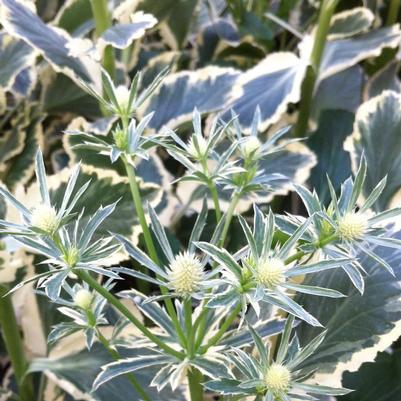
[350, 22]
[358, 326]
[377, 134]
[55, 44]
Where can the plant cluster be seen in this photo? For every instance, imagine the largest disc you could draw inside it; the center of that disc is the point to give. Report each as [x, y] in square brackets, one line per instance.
[218, 220]
[204, 287]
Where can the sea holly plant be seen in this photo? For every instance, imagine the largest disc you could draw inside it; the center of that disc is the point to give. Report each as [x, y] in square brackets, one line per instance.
[204, 162]
[273, 378]
[85, 308]
[223, 299]
[346, 227]
[200, 297]
[263, 273]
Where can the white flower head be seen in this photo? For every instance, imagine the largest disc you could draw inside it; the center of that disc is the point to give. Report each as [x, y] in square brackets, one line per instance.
[270, 272]
[186, 274]
[83, 299]
[122, 94]
[277, 378]
[250, 146]
[352, 226]
[44, 217]
[197, 151]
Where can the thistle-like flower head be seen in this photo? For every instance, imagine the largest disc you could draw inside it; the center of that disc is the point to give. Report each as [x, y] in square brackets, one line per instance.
[250, 146]
[349, 225]
[186, 273]
[83, 298]
[120, 139]
[71, 256]
[270, 272]
[123, 97]
[44, 217]
[199, 149]
[120, 100]
[352, 226]
[130, 139]
[263, 273]
[277, 378]
[87, 310]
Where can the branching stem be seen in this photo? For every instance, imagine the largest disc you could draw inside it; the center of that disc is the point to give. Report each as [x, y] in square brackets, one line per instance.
[84, 276]
[222, 330]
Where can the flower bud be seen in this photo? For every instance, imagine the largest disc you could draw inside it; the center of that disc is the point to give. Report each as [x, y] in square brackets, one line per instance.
[83, 299]
[278, 378]
[270, 272]
[186, 274]
[120, 139]
[352, 226]
[45, 218]
[71, 257]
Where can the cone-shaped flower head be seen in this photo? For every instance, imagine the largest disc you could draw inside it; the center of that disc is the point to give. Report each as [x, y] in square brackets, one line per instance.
[186, 273]
[250, 146]
[277, 378]
[83, 299]
[199, 151]
[44, 217]
[352, 226]
[270, 272]
[120, 138]
[122, 94]
[71, 256]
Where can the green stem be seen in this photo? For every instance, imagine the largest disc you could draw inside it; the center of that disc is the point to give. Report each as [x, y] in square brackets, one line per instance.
[215, 197]
[103, 21]
[393, 11]
[296, 256]
[229, 216]
[213, 190]
[312, 72]
[200, 323]
[136, 195]
[15, 346]
[222, 330]
[84, 276]
[319, 244]
[116, 356]
[200, 326]
[190, 330]
[195, 386]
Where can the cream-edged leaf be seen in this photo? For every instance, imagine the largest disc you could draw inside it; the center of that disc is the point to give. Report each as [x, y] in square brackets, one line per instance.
[208, 89]
[272, 84]
[121, 36]
[357, 326]
[384, 79]
[350, 23]
[54, 44]
[377, 134]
